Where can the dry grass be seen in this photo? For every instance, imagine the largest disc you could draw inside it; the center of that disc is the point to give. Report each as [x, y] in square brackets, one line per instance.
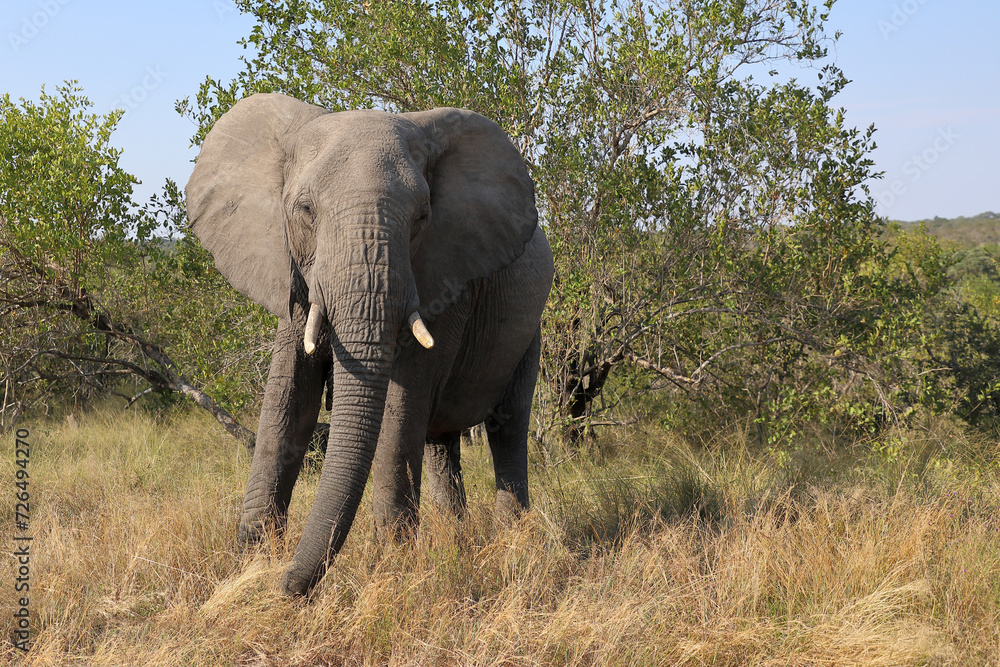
[716, 557]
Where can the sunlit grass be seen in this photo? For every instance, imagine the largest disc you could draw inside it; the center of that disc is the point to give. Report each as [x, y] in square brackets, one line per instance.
[658, 553]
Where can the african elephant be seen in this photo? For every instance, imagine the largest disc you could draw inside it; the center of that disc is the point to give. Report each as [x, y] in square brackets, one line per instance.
[366, 232]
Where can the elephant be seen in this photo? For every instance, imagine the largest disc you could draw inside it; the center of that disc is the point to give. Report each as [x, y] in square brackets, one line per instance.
[402, 255]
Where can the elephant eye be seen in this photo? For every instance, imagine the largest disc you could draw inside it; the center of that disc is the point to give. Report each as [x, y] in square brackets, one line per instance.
[423, 215]
[305, 207]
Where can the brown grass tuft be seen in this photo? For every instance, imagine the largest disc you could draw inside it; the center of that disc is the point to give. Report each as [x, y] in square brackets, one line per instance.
[672, 557]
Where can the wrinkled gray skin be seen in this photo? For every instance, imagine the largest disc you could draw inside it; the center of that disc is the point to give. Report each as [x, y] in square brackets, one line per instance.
[372, 216]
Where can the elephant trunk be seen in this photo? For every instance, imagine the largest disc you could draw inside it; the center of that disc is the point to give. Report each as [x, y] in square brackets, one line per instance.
[368, 302]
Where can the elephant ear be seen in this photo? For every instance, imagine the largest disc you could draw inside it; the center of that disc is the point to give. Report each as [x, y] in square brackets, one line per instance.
[234, 196]
[482, 201]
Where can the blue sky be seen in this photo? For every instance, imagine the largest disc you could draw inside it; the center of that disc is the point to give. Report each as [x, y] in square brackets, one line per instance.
[926, 73]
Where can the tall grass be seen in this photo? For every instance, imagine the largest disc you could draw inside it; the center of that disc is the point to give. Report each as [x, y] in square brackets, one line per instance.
[659, 555]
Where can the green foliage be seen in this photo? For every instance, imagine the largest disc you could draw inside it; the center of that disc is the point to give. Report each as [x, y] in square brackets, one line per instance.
[956, 360]
[965, 232]
[718, 255]
[714, 236]
[66, 224]
[65, 203]
[93, 288]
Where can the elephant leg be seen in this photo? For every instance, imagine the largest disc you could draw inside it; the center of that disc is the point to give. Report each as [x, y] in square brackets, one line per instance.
[398, 462]
[507, 432]
[444, 472]
[288, 417]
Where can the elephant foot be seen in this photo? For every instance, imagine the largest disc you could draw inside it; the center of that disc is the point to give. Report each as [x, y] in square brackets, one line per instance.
[251, 533]
[248, 538]
[299, 581]
[451, 502]
[444, 474]
[397, 529]
[510, 504]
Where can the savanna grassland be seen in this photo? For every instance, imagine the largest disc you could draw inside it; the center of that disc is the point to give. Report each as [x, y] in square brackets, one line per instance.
[653, 552]
[719, 259]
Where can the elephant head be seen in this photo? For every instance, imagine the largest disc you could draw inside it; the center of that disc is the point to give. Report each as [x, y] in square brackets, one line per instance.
[345, 211]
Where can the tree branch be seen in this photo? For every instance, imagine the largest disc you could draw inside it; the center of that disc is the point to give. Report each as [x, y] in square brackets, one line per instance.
[79, 304]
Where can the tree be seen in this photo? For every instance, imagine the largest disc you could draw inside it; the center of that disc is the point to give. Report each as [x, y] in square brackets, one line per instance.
[82, 272]
[711, 222]
[958, 366]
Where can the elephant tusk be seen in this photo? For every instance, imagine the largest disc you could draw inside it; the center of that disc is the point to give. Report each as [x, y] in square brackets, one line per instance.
[312, 328]
[420, 331]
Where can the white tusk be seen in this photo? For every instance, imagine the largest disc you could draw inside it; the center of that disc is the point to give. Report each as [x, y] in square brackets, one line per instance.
[312, 328]
[420, 331]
